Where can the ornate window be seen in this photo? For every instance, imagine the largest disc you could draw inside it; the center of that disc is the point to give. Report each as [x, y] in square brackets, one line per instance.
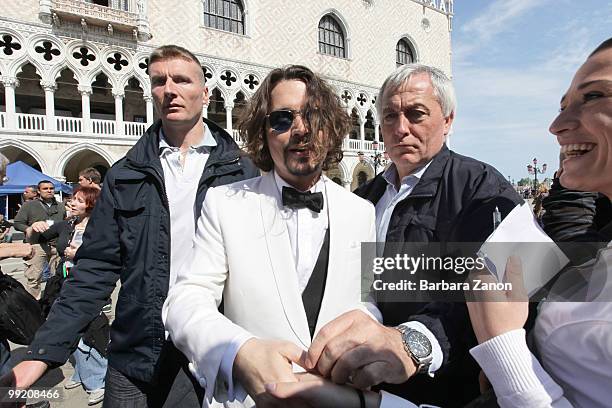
[404, 53]
[226, 15]
[331, 37]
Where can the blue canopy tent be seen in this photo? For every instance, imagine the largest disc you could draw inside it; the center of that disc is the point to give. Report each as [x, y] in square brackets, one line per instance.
[20, 175]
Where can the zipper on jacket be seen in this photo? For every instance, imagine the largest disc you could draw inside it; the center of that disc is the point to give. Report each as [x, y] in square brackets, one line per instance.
[208, 169]
[163, 189]
[159, 179]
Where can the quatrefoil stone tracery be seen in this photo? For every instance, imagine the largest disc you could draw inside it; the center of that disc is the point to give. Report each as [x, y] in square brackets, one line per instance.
[47, 50]
[144, 64]
[228, 77]
[207, 74]
[346, 96]
[7, 44]
[117, 61]
[362, 99]
[251, 81]
[84, 56]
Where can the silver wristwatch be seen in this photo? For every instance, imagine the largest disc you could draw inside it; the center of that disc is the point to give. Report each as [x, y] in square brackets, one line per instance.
[418, 347]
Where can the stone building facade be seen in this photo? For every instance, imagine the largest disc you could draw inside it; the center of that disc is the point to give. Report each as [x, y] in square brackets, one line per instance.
[75, 91]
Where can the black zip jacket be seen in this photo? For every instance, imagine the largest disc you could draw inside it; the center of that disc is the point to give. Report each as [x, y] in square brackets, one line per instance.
[128, 238]
[452, 202]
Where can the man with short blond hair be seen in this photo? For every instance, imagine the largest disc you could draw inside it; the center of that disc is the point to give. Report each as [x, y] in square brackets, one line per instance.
[140, 231]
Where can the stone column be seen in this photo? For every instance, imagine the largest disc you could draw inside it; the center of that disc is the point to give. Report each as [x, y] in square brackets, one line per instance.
[377, 131]
[10, 83]
[149, 101]
[205, 111]
[49, 88]
[361, 129]
[228, 117]
[86, 92]
[119, 113]
[346, 183]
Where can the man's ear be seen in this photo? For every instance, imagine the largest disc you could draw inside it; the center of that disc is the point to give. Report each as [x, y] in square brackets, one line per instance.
[205, 97]
[448, 121]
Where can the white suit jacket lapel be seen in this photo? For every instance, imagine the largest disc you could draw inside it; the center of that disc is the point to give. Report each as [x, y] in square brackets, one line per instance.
[335, 266]
[281, 259]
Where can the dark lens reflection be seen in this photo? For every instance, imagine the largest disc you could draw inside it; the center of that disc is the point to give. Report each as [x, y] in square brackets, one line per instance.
[281, 120]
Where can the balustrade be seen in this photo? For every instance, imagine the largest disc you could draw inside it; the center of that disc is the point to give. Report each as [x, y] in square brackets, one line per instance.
[135, 128]
[69, 125]
[103, 127]
[26, 121]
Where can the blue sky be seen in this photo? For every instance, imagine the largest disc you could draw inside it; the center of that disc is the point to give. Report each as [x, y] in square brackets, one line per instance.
[512, 62]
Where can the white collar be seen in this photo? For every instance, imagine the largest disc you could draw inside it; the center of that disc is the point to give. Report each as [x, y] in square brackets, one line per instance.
[280, 183]
[391, 175]
[207, 140]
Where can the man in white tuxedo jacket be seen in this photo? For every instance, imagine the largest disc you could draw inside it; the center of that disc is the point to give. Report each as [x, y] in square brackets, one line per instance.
[283, 251]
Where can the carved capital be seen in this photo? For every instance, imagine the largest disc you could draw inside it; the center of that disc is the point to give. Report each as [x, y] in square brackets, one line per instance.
[10, 82]
[85, 89]
[228, 106]
[118, 94]
[48, 86]
[148, 98]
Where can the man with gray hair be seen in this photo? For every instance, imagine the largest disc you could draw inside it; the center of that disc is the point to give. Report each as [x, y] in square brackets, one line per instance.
[428, 195]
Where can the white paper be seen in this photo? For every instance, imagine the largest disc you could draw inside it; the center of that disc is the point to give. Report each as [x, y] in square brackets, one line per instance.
[520, 234]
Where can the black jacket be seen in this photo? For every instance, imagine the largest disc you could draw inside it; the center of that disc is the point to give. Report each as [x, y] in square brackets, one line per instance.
[128, 238]
[453, 202]
[61, 233]
[576, 215]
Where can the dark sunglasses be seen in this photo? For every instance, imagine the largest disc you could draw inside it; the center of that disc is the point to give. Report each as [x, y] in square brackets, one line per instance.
[281, 120]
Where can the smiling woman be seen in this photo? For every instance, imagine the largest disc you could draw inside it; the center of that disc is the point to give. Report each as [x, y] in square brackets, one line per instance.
[584, 126]
[584, 131]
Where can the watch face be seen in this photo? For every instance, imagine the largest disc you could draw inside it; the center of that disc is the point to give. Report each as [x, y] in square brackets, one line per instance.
[419, 344]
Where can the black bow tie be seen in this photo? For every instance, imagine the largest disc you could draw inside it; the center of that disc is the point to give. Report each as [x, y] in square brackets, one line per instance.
[297, 199]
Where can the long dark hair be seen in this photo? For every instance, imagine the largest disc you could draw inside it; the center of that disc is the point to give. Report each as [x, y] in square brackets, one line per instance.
[326, 119]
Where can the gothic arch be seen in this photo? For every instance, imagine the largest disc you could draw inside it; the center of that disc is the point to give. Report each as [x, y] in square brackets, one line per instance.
[29, 150]
[18, 65]
[91, 77]
[361, 169]
[56, 72]
[144, 84]
[73, 150]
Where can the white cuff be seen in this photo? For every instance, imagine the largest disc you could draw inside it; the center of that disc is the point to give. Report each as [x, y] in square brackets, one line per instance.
[393, 401]
[225, 376]
[516, 375]
[436, 350]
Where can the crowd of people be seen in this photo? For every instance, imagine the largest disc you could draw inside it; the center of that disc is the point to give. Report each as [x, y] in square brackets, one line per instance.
[241, 276]
[53, 231]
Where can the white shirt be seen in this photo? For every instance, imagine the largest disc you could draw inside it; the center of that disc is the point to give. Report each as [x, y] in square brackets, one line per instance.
[181, 182]
[387, 202]
[307, 228]
[384, 209]
[574, 341]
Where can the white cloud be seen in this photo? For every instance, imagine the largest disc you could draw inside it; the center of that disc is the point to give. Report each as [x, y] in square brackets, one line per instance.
[511, 66]
[498, 17]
